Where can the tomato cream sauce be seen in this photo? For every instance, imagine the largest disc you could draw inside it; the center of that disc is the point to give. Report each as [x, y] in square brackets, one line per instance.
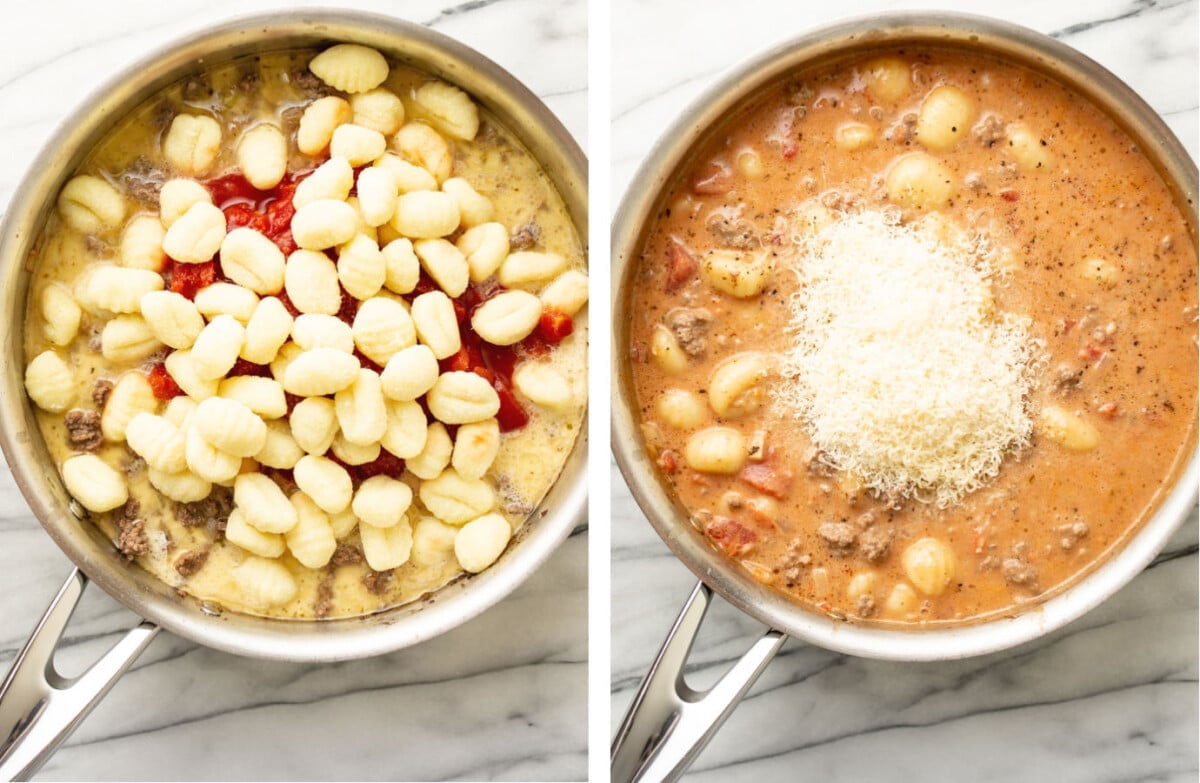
[1085, 244]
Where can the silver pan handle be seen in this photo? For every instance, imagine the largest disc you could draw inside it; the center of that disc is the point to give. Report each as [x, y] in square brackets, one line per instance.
[39, 708]
[668, 723]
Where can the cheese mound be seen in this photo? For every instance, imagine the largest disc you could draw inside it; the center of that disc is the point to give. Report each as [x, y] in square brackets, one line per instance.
[904, 373]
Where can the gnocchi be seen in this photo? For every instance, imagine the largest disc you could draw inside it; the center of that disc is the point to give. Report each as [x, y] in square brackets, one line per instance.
[507, 318]
[262, 155]
[325, 481]
[386, 548]
[50, 382]
[140, 246]
[91, 205]
[265, 583]
[716, 450]
[737, 274]
[919, 180]
[93, 483]
[382, 501]
[945, 117]
[456, 500]
[930, 565]
[251, 260]
[382, 328]
[311, 283]
[192, 143]
[378, 109]
[350, 68]
[229, 425]
[481, 541]
[318, 122]
[461, 398]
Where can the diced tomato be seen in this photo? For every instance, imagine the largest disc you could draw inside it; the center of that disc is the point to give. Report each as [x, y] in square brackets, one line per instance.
[732, 536]
[292, 401]
[1090, 351]
[1108, 410]
[458, 362]
[386, 464]
[366, 361]
[349, 308]
[285, 242]
[668, 461]
[767, 478]
[287, 304]
[269, 212]
[501, 359]
[424, 285]
[1010, 195]
[244, 367]
[681, 267]
[242, 214]
[511, 415]
[554, 326]
[187, 279]
[281, 211]
[233, 189]
[162, 384]
[332, 456]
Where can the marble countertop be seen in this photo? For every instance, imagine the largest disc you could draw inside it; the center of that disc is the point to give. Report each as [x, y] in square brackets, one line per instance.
[1111, 697]
[503, 697]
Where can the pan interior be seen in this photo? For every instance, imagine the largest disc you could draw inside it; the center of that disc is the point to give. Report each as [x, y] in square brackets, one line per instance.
[673, 154]
[34, 471]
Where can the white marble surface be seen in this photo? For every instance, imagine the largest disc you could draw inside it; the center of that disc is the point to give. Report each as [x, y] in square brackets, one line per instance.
[502, 698]
[1111, 697]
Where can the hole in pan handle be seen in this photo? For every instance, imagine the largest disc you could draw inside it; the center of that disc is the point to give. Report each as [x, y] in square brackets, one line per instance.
[668, 723]
[39, 708]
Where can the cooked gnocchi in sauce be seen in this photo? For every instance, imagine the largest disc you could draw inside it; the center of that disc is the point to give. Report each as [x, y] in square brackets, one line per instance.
[307, 334]
[914, 337]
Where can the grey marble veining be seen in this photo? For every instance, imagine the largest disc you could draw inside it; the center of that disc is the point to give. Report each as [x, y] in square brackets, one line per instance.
[503, 697]
[1110, 697]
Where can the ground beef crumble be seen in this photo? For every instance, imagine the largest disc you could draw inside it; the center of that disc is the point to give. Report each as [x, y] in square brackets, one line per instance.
[732, 231]
[840, 537]
[131, 531]
[690, 324]
[143, 181]
[876, 542]
[101, 392]
[526, 236]
[191, 561]
[378, 582]
[308, 84]
[214, 508]
[346, 554]
[83, 429]
[988, 131]
[1019, 572]
[324, 602]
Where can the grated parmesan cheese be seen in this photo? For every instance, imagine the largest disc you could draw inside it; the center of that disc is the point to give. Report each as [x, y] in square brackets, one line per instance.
[904, 373]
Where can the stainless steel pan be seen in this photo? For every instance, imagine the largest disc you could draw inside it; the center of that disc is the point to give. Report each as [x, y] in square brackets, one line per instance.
[38, 707]
[668, 724]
